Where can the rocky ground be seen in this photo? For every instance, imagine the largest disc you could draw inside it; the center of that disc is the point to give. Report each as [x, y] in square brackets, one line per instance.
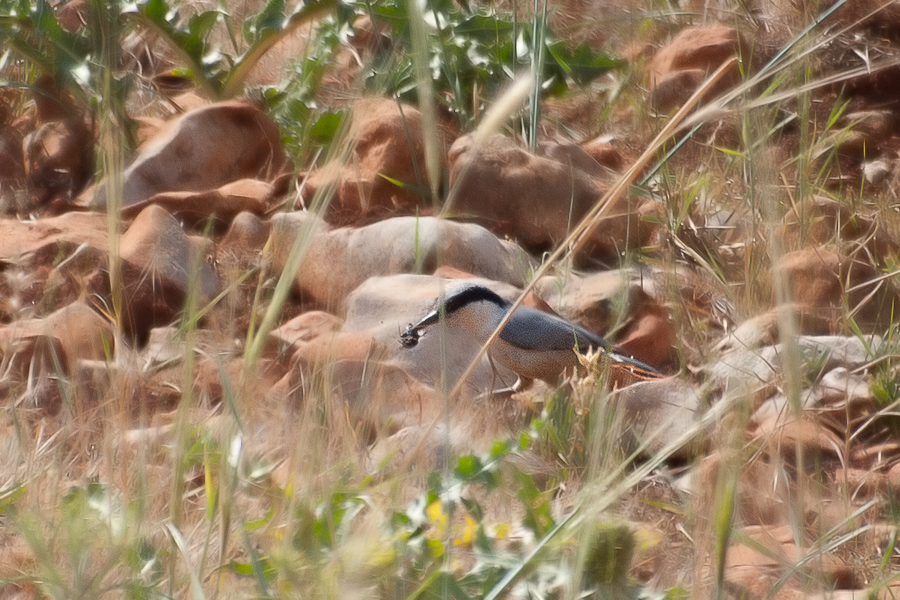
[226, 297]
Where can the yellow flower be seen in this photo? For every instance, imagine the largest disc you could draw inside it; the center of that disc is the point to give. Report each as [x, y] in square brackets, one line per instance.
[438, 519]
[467, 535]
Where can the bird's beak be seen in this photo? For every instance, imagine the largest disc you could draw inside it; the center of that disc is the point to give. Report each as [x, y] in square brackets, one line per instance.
[429, 319]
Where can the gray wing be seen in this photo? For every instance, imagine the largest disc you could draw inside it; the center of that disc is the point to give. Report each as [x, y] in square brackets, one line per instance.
[533, 329]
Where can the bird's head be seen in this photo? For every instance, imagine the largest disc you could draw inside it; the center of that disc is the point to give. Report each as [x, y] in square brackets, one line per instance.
[476, 307]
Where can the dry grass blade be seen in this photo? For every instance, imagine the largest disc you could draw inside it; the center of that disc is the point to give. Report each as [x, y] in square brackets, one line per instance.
[196, 586]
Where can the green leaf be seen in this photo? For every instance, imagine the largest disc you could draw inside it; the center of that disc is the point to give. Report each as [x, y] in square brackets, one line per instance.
[582, 64]
[9, 495]
[201, 24]
[261, 522]
[468, 467]
[155, 10]
[326, 127]
[270, 19]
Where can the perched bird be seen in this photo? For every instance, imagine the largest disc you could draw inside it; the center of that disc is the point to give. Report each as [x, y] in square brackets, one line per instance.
[533, 343]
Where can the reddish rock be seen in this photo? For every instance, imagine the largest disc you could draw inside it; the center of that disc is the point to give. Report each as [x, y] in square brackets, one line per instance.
[306, 327]
[782, 437]
[893, 478]
[202, 150]
[75, 332]
[823, 220]
[219, 206]
[247, 233]
[678, 69]
[160, 264]
[371, 396]
[323, 350]
[157, 244]
[536, 199]
[59, 161]
[386, 141]
[604, 153]
[72, 15]
[46, 262]
[763, 330]
[753, 567]
[650, 335]
[382, 398]
[877, 126]
[824, 283]
[18, 238]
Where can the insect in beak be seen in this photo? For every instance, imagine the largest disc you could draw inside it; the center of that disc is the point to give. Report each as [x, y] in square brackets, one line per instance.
[409, 337]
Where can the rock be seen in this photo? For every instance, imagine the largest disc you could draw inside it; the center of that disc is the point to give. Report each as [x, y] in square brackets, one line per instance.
[374, 397]
[203, 149]
[247, 233]
[875, 127]
[755, 567]
[823, 283]
[536, 199]
[678, 69]
[650, 337]
[660, 412]
[762, 330]
[339, 260]
[782, 437]
[160, 265]
[604, 153]
[840, 395]
[435, 436]
[823, 220]
[157, 244]
[19, 238]
[321, 351]
[761, 493]
[893, 478]
[73, 15]
[386, 141]
[306, 327]
[751, 368]
[59, 161]
[616, 299]
[73, 333]
[167, 345]
[862, 482]
[44, 263]
[876, 171]
[671, 90]
[220, 206]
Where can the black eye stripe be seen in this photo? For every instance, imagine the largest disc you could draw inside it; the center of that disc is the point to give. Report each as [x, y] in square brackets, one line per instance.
[472, 294]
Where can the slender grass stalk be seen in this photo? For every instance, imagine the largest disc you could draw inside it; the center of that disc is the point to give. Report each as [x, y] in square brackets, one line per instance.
[425, 93]
[538, 36]
[111, 150]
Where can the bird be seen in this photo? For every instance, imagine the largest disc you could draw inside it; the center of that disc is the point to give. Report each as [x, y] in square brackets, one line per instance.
[533, 344]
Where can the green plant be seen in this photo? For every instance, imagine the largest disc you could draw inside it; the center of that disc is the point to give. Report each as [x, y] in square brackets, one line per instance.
[473, 53]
